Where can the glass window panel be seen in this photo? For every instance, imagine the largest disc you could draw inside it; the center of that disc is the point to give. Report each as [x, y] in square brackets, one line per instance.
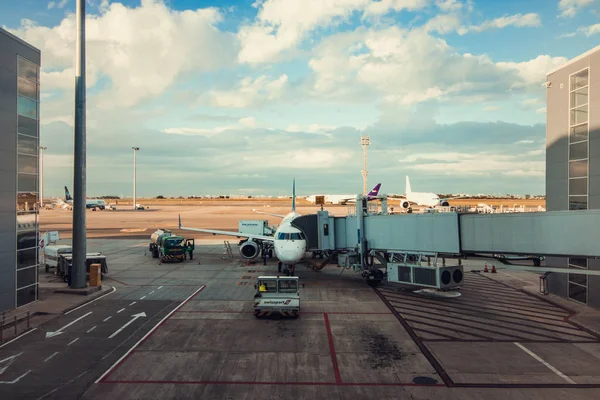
[579, 97]
[28, 69]
[579, 115]
[269, 286]
[27, 222]
[27, 107]
[577, 262]
[577, 202]
[578, 186]
[28, 89]
[578, 151]
[27, 145]
[579, 133]
[578, 293]
[26, 258]
[27, 164]
[578, 169]
[288, 286]
[26, 201]
[28, 126]
[578, 278]
[27, 240]
[579, 80]
[27, 183]
[27, 295]
[26, 277]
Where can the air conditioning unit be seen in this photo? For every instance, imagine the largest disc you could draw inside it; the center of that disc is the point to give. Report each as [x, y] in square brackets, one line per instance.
[425, 276]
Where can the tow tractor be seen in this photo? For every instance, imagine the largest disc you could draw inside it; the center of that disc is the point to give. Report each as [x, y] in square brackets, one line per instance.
[277, 295]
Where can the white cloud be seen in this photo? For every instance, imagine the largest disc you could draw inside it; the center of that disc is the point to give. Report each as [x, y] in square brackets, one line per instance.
[451, 5]
[67, 119]
[249, 92]
[490, 108]
[302, 158]
[473, 164]
[200, 131]
[518, 20]
[525, 142]
[586, 30]
[281, 25]
[568, 8]
[410, 67]
[311, 128]
[59, 4]
[139, 50]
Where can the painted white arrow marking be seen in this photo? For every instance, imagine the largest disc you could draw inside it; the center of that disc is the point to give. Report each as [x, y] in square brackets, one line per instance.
[60, 331]
[8, 362]
[135, 316]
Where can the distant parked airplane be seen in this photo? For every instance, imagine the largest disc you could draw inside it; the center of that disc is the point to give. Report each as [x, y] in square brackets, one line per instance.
[422, 198]
[344, 198]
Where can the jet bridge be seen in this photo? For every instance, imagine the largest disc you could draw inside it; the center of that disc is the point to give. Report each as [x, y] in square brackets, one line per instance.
[410, 246]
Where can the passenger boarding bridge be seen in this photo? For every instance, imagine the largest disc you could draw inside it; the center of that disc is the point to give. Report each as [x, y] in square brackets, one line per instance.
[409, 247]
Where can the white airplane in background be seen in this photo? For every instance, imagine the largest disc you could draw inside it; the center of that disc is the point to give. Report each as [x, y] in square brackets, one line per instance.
[343, 198]
[288, 242]
[422, 198]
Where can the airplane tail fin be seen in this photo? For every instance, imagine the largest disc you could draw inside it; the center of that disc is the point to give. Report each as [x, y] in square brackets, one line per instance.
[408, 190]
[67, 195]
[179, 221]
[375, 191]
[294, 195]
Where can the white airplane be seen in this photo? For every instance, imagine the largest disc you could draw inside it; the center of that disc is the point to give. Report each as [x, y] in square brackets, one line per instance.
[89, 203]
[288, 242]
[422, 198]
[343, 198]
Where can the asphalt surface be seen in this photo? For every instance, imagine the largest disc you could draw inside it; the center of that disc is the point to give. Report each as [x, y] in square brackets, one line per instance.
[197, 338]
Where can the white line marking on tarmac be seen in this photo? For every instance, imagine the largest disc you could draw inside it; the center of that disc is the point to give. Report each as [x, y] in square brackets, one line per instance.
[143, 297]
[108, 371]
[18, 337]
[60, 331]
[114, 289]
[122, 309]
[557, 372]
[73, 341]
[50, 358]
[16, 380]
[160, 287]
[91, 329]
[107, 318]
[133, 303]
[150, 293]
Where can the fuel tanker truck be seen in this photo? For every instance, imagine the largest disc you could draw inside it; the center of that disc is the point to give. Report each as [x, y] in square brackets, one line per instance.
[169, 247]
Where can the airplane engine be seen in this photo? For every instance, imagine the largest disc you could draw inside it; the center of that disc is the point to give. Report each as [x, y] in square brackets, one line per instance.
[249, 250]
[404, 204]
[444, 203]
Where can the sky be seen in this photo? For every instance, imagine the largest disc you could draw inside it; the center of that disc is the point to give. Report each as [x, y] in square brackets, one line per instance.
[241, 97]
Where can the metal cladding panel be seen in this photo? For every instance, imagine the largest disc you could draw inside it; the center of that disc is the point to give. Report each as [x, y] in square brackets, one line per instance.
[340, 232]
[553, 233]
[436, 232]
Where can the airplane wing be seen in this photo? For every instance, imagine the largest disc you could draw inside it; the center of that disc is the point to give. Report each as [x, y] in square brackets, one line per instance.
[275, 215]
[228, 233]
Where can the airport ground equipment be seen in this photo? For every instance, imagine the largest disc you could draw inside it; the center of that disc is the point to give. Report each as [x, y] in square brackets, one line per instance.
[256, 227]
[65, 264]
[52, 253]
[277, 295]
[425, 250]
[169, 247]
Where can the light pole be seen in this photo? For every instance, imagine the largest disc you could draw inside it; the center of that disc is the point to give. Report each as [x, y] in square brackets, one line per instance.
[42, 148]
[135, 149]
[78, 277]
[365, 142]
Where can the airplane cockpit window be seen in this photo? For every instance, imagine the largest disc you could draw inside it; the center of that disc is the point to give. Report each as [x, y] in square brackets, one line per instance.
[296, 236]
[282, 236]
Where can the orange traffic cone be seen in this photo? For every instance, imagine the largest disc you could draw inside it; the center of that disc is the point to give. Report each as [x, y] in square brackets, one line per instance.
[486, 268]
[493, 269]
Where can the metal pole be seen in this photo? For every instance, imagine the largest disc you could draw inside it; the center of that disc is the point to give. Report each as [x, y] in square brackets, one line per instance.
[42, 148]
[79, 179]
[135, 149]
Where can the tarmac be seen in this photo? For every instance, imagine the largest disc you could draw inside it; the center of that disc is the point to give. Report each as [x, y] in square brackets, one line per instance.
[186, 330]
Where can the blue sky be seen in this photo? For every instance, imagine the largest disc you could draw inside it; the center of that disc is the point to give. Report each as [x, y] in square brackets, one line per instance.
[239, 97]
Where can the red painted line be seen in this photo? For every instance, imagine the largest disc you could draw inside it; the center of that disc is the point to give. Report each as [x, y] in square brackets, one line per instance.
[272, 383]
[301, 312]
[336, 369]
[126, 356]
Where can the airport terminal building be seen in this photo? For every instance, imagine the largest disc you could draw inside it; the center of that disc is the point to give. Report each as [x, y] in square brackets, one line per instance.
[573, 161]
[19, 135]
